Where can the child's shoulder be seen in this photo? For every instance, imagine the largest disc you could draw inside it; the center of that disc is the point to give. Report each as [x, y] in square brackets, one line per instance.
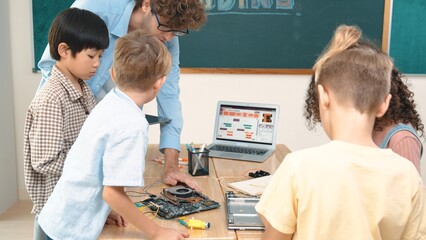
[119, 112]
[50, 92]
[339, 149]
[58, 88]
[312, 151]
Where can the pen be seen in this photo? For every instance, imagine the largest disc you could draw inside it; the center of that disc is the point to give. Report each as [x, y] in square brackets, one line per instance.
[201, 154]
[198, 158]
[181, 161]
[201, 150]
[181, 221]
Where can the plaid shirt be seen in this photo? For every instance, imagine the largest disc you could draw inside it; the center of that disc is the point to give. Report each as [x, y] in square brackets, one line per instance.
[52, 124]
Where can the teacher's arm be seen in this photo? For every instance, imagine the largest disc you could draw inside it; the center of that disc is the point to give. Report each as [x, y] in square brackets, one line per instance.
[169, 106]
[45, 65]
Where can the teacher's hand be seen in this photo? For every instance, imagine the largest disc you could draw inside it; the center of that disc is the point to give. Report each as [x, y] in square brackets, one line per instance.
[172, 175]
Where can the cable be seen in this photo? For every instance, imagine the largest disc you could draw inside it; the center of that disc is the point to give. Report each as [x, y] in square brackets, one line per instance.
[145, 189]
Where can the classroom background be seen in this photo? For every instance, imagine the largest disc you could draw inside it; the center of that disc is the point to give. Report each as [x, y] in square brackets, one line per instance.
[199, 95]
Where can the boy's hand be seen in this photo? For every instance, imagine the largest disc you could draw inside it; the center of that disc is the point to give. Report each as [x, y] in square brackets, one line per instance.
[116, 219]
[168, 233]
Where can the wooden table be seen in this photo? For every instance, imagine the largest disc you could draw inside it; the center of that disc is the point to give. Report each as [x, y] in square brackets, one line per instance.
[221, 171]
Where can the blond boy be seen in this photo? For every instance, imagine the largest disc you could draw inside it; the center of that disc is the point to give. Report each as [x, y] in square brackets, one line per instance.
[109, 153]
[348, 188]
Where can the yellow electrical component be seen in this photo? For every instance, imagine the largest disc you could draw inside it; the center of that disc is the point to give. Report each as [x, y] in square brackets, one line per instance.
[194, 223]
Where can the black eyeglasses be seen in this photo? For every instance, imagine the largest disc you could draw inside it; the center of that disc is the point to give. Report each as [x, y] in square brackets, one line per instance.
[164, 28]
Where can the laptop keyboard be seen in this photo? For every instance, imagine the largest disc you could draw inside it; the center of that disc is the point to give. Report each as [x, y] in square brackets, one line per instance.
[235, 149]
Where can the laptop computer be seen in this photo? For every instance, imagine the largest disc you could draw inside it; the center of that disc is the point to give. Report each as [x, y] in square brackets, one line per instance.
[241, 213]
[244, 131]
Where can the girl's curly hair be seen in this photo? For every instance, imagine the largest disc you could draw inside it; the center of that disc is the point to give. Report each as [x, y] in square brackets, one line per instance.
[402, 108]
[312, 114]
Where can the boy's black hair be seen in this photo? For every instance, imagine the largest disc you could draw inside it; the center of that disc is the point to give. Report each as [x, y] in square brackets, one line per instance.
[79, 29]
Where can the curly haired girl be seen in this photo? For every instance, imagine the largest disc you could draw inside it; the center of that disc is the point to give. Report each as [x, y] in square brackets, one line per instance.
[400, 128]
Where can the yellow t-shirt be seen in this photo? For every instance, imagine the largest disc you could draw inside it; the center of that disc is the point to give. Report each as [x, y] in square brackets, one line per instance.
[344, 191]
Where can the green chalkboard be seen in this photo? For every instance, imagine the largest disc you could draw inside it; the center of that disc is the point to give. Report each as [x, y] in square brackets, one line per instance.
[275, 34]
[253, 34]
[408, 34]
[44, 11]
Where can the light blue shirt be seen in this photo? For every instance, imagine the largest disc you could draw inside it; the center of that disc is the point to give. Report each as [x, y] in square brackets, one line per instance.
[116, 14]
[110, 151]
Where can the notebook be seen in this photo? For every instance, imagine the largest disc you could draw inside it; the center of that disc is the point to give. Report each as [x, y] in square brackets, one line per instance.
[244, 131]
[253, 187]
[241, 213]
[154, 119]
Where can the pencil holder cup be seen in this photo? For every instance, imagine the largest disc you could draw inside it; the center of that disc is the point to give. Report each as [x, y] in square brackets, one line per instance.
[198, 162]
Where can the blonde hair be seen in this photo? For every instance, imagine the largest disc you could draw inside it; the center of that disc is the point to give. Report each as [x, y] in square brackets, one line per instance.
[402, 108]
[344, 38]
[360, 77]
[140, 59]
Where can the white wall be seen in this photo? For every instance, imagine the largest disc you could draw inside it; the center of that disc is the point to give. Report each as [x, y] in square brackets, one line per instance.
[8, 178]
[199, 95]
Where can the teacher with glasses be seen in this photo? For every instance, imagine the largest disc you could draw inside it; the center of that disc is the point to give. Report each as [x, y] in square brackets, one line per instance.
[167, 20]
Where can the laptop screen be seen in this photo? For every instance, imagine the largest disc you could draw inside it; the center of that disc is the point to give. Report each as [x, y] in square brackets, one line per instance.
[250, 124]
